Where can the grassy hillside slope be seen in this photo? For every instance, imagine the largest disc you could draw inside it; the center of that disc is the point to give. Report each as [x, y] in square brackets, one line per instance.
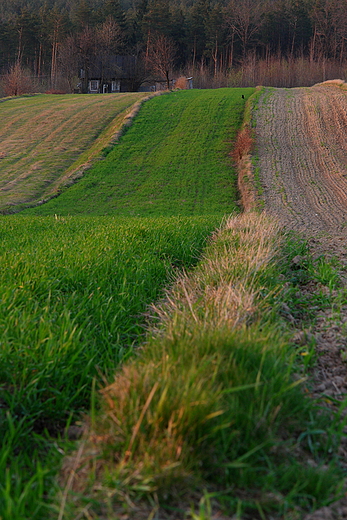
[44, 138]
[172, 161]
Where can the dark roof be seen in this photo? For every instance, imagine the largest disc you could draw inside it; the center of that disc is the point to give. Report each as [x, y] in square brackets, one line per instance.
[113, 66]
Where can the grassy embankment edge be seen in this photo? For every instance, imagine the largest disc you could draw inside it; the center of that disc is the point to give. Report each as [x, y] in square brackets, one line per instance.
[214, 404]
[248, 183]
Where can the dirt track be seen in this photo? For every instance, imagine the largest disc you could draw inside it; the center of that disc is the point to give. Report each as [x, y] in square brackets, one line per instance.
[301, 137]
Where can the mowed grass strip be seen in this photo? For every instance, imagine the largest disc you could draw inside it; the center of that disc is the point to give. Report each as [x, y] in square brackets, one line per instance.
[173, 160]
[42, 136]
[73, 296]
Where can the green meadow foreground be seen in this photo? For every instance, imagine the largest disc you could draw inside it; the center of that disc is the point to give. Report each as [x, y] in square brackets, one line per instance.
[75, 290]
[73, 295]
[208, 414]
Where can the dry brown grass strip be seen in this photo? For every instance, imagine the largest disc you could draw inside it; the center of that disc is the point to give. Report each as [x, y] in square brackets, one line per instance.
[241, 155]
[333, 82]
[222, 290]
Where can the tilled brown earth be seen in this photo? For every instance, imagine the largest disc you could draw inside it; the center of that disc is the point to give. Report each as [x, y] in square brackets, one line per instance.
[301, 139]
[302, 145]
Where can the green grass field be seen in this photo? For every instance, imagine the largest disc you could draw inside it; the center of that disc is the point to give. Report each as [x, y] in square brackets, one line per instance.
[73, 296]
[75, 288]
[204, 408]
[172, 161]
[214, 418]
[44, 138]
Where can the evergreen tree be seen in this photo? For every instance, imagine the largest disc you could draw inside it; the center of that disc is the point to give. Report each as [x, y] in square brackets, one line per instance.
[197, 25]
[82, 15]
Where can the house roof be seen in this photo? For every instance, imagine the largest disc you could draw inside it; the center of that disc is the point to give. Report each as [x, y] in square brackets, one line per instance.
[112, 67]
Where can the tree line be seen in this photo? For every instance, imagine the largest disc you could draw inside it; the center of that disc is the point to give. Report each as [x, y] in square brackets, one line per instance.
[52, 40]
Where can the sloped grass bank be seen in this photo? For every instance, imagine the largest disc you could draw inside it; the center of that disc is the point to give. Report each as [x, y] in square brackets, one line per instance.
[45, 138]
[173, 160]
[211, 407]
[73, 296]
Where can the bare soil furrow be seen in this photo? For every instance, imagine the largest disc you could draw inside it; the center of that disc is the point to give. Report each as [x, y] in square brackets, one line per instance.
[302, 148]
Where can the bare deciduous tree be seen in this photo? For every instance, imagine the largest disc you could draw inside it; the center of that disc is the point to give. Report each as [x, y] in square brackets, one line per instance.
[160, 56]
[244, 19]
[68, 61]
[87, 48]
[329, 19]
[109, 39]
[17, 81]
[109, 36]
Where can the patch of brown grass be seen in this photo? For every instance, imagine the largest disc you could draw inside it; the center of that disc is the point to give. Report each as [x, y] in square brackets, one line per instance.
[333, 83]
[181, 83]
[241, 155]
[243, 145]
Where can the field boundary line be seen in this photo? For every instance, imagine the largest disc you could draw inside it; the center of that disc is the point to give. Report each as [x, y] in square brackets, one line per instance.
[242, 156]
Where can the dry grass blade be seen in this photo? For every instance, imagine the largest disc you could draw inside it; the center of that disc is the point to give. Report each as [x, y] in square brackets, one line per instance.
[69, 483]
[138, 424]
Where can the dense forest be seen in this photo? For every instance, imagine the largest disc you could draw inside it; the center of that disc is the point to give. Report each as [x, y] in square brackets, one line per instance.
[54, 39]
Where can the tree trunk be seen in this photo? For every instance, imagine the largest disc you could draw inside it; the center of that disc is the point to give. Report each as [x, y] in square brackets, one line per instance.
[313, 45]
[215, 57]
[54, 64]
[231, 61]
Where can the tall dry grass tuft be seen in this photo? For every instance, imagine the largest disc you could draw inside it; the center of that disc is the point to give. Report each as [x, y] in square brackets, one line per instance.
[181, 83]
[223, 291]
[162, 417]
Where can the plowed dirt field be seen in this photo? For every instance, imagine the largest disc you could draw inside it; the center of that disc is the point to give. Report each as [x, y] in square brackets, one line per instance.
[302, 148]
[301, 143]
